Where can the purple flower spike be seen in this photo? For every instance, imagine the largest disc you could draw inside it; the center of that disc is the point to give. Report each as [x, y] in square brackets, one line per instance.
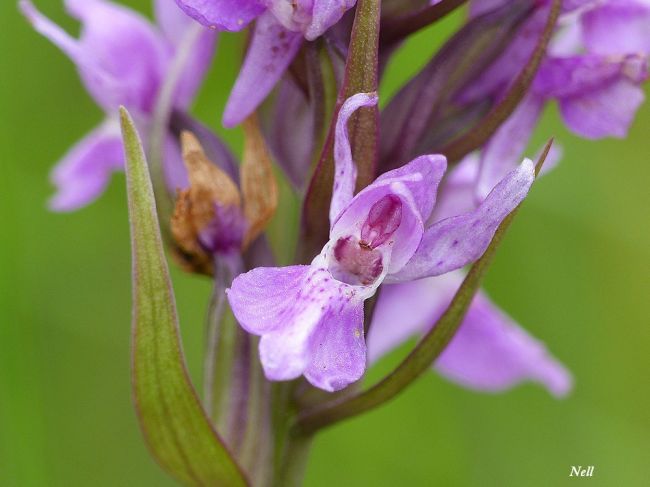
[122, 60]
[311, 317]
[489, 353]
[595, 67]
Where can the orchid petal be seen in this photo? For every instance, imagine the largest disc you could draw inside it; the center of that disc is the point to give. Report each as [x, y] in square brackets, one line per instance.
[608, 112]
[617, 28]
[222, 14]
[271, 51]
[584, 74]
[176, 26]
[83, 173]
[345, 176]
[325, 14]
[172, 20]
[298, 311]
[338, 349]
[124, 46]
[454, 242]
[262, 298]
[502, 154]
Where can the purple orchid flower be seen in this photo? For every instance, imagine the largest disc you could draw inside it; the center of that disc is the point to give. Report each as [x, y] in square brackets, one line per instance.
[122, 60]
[490, 352]
[595, 67]
[310, 317]
[279, 32]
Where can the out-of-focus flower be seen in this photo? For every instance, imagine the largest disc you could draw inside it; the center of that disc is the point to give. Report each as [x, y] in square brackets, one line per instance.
[311, 317]
[490, 352]
[594, 69]
[279, 32]
[122, 60]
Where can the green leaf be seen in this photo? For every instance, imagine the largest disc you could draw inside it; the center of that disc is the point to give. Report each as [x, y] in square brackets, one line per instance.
[425, 352]
[172, 419]
[361, 75]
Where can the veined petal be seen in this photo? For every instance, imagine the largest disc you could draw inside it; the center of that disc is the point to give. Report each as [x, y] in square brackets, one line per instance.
[454, 242]
[222, 14]
[338, 348]
[262, 299]
[298, 311]
[345, 172]
[272, 49]
[502, 154]
[83, 173]
[489, 353]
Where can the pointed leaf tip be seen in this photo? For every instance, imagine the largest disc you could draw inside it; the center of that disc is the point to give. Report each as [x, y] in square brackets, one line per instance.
[543, 156]
[173, 422]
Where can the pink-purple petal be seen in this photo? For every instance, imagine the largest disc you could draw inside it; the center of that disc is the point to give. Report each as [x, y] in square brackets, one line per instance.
[345, 171]
[457, 241]
[503, 152]
[124, 46]
[304, 317]
[617, 28]
[262, 299]
[84, 172]
[325, 14]
[338, 349]
[222, 14]
[489, 352]
[608, 112]
[178, 30]
[421, 177]
[272, 49]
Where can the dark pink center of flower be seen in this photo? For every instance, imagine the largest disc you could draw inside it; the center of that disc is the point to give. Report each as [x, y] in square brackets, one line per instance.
[355, 262]
[383, 219]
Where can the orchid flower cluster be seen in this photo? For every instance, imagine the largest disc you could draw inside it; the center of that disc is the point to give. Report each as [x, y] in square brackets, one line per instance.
[402, 207]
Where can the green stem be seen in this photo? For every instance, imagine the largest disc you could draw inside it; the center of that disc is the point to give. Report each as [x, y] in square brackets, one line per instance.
[294, 462]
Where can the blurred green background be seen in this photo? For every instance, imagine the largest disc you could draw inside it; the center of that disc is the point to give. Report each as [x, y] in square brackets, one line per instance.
[574, 269]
